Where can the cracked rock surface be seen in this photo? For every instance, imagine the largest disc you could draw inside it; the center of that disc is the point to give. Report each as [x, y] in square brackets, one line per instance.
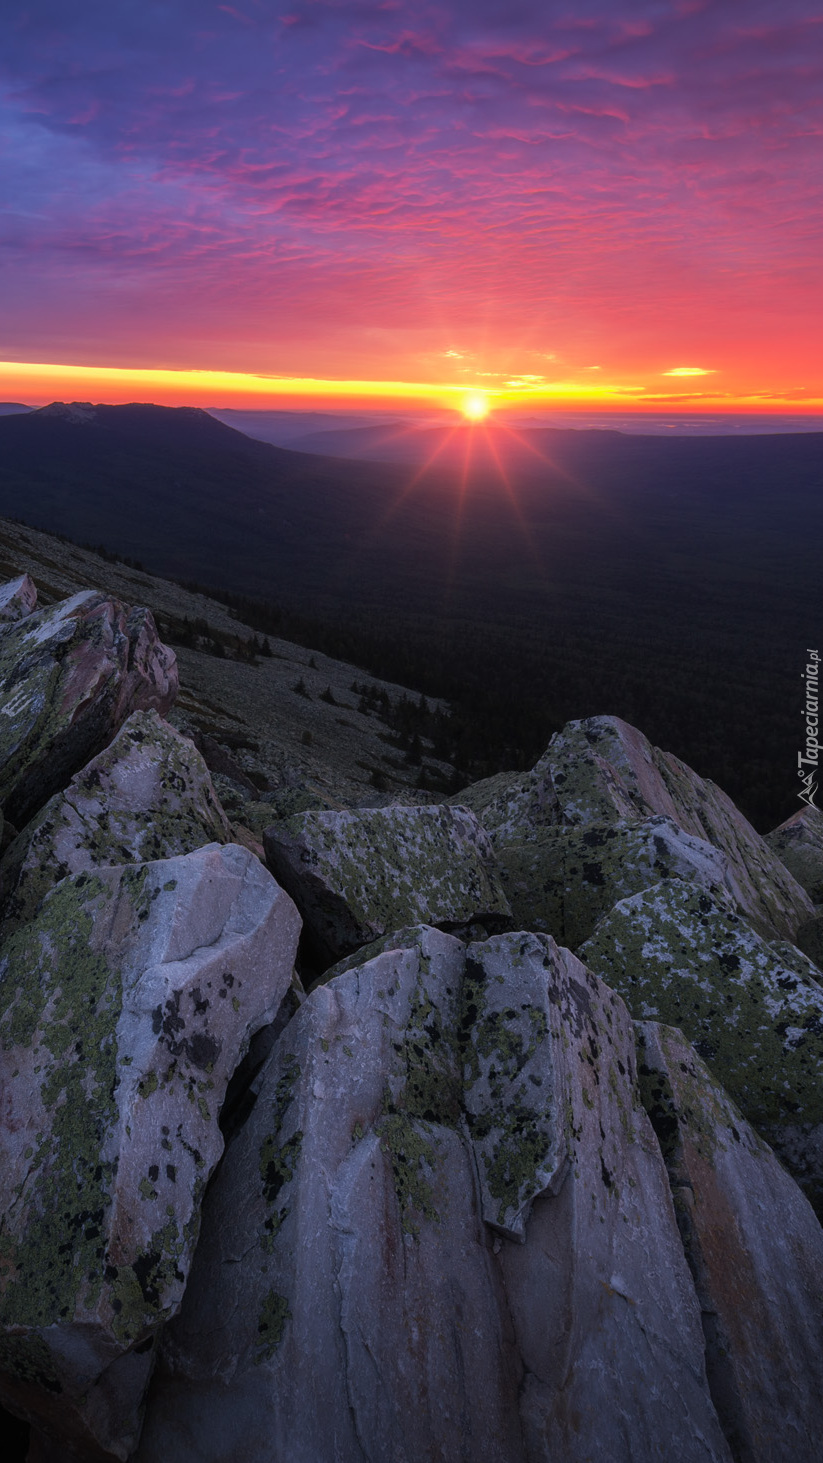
[70, 674]
[356, 1306]
[600, 771]
[565, 879]
[127, 1004]
[18, 597]
[755, 1250]
[147, 796]
[753, 1010]
[356, 875]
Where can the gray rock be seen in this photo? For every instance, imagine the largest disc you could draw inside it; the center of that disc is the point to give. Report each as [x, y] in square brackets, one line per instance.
[344, 1308]
[346, 1301]
[605, 1319]
[513, 807]
[565, 879]
[355, 876]
[18, 597]
[752, 1010]
[126, 1004]
[69, 677]
[755, 1250]
[604, 770]
[798, 843]
[147, 796]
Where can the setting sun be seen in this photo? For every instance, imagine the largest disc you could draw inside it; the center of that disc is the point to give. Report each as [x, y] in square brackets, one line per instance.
[476, 406]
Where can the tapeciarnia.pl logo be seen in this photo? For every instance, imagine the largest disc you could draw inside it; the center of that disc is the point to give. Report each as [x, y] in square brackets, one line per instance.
[811, 677]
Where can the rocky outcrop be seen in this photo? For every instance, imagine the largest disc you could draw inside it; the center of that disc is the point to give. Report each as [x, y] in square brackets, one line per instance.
[513, 807]
[798, 843]
[563, 880]
[127, 1004]
[755, 1250]
[448, 1224]
[69, 677]
[18, 598]
[354, 876]
[147, 796]
[752, 1010]
[602, 770]
[347, 1300]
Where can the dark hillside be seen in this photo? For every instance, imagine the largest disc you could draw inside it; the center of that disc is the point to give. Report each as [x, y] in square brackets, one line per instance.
[666, 580]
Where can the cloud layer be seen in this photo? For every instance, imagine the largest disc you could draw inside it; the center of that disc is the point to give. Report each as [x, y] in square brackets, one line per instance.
[405, 189]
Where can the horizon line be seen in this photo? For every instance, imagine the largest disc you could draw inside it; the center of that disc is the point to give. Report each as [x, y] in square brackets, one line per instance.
[49, 381]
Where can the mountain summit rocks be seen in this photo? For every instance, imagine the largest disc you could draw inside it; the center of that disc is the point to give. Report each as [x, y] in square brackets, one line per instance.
[147, 796]
[128, 1002]
[357, 875]
[468, 1208]
[69, 676]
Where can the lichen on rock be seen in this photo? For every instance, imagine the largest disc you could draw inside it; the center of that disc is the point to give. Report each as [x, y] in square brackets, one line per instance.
[70, 674]
[752, 1010]
[148, 795]
[564, 879]
[126, 1006]
[755, 1250]
[356, 876]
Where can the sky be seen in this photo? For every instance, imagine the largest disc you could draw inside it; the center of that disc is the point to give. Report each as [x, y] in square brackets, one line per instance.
[588, 204]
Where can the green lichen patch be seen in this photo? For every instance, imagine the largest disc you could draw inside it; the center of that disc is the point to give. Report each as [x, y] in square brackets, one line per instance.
[604, 771]
[275, 1311]
[98, 820]
[509, 1090]
[28, 1359]
[677, 957]
[411, 1146]
[66, 1005]
[357, 875]
[278, 1158]
[798, 844]
[681, 1098]
[431, 1087]
[140, 1292]
[513, 808]
[566, 879]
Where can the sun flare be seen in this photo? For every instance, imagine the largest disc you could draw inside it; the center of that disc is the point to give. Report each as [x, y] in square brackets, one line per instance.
[476, 406]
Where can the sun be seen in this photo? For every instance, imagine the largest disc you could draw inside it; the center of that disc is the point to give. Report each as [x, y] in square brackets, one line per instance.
[476, 406]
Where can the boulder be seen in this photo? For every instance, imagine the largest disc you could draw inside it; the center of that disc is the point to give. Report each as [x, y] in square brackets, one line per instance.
[798, 843]
[565, 879]
[147, 796]
[69, 676]
[752, 1010]
[354, 876]
[602, 770]
[18, 597]
[605, 1321]
[755, 1250]
[126, 1006]
[347, 1301]
[603, 761]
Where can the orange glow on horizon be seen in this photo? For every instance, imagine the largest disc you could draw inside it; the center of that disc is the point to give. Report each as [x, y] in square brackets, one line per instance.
[37, 383]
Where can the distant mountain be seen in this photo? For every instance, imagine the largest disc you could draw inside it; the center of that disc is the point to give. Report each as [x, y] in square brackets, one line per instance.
[13, 408]
[656, 578]
[282, 428]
